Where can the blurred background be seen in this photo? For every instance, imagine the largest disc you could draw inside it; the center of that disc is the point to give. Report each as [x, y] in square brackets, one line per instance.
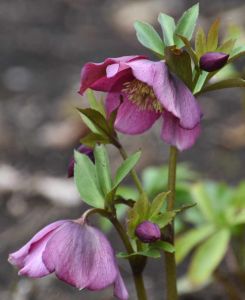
[44, 44]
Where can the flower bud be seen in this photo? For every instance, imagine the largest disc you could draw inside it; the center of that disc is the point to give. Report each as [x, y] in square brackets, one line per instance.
[213, 61]
[82, 149]
[148, 232]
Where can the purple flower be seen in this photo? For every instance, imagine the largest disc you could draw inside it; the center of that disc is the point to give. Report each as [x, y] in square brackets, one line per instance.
[82, 149]
[148, 232]
[144, 90]
[213, 61]
[79, 254]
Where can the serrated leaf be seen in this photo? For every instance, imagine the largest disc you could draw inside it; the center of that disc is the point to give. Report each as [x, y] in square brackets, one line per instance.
[168, 27]
[87, 181]
[186, 242]
[92, 139]
[125, 168]
[153, 253]
[186, 24]
[225, 84]
[165, 246]
[157, 204]
[208, 256]
[102, 166]
[200, 42]
[94, 103]
[179, 62]
[213, 36]
[148, 37]
[163, 219]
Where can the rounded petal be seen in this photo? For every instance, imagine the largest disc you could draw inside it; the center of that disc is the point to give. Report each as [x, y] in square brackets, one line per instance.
[131, 119]
[29, 257]
[120, 290]
[175, 135]
[170, 91]
[81, 256]
[94, 75]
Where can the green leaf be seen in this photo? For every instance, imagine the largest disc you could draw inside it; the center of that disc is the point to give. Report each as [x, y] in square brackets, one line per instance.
[236, 53]
[167, 247]
[102, 166]
[186, 24]
[148, 37]
[227, 46]
[95, 121]
[153, 253]
[201, 81]
[200, 42]
[213, 36]
[208, 256]
[163, 219]
[179, 62]
[94, 103]
[92, 139]
[190, 239]
[87, 181]
[239, 218]
[168, 27]
[157, 204]
[127, 165]
[189, 49]
[224, 84]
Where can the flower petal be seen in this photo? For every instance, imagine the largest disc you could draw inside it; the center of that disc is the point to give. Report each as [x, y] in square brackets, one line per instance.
[131, 119]
[79, 254]
[93, 75]
[18, 258]
[175, 135]
[170, 91]
[120, 290]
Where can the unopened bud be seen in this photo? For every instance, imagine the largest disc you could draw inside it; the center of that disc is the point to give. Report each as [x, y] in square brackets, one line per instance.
[148, 232]
[213, 61]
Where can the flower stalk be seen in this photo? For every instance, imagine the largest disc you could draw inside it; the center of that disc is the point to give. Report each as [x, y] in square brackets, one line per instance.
[170, 263]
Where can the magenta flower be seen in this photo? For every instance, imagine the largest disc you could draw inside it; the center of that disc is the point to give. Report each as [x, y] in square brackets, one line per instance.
[144, 90]
[148, 232]
[213, 61]
[79, 254]
[82, 149]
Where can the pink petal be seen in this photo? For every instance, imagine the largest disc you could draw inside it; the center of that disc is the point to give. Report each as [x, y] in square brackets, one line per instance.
[93, 75]
[120, 290]
[175, 135]
[131, 119]
[79, 254]
[170, 91]
[19, 257]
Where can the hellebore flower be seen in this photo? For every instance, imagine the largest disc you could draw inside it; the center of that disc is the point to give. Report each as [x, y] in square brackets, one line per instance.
[79, 254]
[148, 232]
[82, 149]
[213, 61]
[144, 90]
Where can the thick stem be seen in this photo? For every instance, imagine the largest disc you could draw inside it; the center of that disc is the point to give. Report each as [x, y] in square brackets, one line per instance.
[170, 263]
[133, 172]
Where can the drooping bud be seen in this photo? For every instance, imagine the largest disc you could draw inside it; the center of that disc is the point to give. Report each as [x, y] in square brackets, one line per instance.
[213, 61]
[82, 149]
[148, 232]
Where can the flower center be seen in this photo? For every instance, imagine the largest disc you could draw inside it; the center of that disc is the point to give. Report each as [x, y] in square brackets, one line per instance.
[142, 95]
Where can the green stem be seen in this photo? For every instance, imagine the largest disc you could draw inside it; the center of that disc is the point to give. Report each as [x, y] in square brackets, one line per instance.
[133, 172]
[170, 263]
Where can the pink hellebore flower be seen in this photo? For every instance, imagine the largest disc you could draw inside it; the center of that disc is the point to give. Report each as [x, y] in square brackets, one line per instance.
[144, 90]
[79, 254]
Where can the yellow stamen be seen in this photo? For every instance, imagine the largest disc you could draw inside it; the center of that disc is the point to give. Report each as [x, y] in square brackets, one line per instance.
[142, 95]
